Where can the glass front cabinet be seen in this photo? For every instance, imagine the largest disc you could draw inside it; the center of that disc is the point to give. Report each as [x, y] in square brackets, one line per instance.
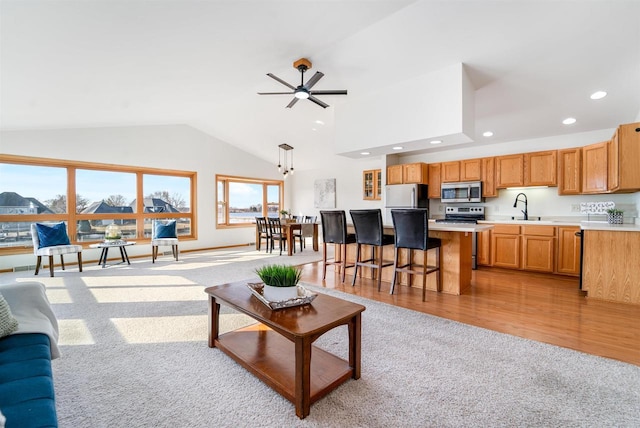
[372, 184]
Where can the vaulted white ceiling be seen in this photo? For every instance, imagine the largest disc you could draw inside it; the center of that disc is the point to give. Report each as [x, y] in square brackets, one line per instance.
[74, 64]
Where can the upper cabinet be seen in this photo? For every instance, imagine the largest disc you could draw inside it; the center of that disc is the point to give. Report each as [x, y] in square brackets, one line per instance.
[540, 168]
[372, 184]
[435, 180]
[464, 170]
[594, 168]
[410, 173]
[471, 170]
[415, 173]
[450, 172]
[528, 169]
[509, 171]
[624, 158]
[570, 171]
[612, 166]
[394, 174]
[489, 178]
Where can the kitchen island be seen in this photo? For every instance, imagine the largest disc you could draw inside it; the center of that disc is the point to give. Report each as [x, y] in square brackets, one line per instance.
[611, 262]
[456, 257]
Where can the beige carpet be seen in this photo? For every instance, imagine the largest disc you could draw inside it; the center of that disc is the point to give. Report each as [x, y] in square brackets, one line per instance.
[134, 349]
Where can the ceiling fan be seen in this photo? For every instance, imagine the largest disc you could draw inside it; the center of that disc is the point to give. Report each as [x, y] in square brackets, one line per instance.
[303, 91]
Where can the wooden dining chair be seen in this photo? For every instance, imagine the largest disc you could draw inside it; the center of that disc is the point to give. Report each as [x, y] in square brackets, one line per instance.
[277, 234]
[263, 232]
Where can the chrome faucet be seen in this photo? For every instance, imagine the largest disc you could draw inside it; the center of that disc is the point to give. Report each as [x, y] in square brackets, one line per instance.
[515, 204]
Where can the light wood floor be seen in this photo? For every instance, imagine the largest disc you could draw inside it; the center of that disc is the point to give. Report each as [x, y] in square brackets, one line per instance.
[541, 307]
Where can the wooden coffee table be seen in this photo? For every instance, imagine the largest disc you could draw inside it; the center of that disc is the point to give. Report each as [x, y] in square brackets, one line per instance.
[279, 351]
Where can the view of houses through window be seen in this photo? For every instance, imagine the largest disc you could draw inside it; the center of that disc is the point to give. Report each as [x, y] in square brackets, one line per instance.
[40, 190]
[241, 200]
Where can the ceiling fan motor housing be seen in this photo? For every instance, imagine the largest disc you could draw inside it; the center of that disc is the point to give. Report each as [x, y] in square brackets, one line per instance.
[302, 64]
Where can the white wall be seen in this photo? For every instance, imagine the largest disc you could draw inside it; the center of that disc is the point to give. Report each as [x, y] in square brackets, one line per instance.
[177, 147]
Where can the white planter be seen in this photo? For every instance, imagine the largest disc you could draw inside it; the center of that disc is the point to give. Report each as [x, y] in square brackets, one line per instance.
[278, 294]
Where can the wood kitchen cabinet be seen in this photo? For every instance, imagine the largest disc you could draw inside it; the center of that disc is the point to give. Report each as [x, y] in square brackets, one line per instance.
[471, 170]
[570, 171]
[483, 248]
[409, 173]
[594, 168]
[372, 184]
[568, 253]
[540, 168]
[623, 158]
[415, 173]
[505, 246]
[538, 248]
[489, 178]
[394, 174]
[434, 170]
[509, 171]
[450, 172]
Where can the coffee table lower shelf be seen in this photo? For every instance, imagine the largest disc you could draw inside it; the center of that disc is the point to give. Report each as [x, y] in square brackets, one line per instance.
[271, 358]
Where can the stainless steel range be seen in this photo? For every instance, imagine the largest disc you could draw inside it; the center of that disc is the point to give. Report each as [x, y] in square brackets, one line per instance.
[465, 215]
[462, 214]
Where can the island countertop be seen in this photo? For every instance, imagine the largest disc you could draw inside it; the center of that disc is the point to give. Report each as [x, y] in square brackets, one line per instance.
[451, 227]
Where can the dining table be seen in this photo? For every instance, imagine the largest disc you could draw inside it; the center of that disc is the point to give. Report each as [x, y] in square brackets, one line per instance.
[289, 227]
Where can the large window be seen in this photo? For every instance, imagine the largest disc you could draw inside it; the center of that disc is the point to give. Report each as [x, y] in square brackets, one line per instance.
[88, 197]
[241, 200]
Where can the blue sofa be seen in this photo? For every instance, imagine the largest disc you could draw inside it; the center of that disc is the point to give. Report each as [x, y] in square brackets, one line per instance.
[27, 398]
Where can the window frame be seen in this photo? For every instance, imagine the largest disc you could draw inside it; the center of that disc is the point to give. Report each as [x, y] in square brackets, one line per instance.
[226, 179]
[72, 218]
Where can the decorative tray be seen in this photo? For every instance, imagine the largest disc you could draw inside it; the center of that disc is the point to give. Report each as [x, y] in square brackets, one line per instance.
[304, 297]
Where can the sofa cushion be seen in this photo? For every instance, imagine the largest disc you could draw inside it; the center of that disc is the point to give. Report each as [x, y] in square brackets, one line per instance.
[8, 323]
[27, 396]
[50, 236]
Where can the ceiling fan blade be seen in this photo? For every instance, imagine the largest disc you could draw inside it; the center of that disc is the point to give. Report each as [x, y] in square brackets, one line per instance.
[317, 101]
[276, 93]
[281, 81]
[314, 79]
[329, 92]
[293, 101]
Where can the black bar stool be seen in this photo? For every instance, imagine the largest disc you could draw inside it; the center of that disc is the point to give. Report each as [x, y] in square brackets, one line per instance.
[369, 231]
[334, 231]
[412, 233]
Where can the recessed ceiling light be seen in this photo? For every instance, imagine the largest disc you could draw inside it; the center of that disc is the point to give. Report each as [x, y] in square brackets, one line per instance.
[569, 121]
[314, 129]
[398, 148]
[487, 134]
[319, 122]
[365, 153]
[598, 95]
[436, 141]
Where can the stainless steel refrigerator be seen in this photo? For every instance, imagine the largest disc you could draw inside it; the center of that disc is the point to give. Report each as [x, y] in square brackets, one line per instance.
[404, 196]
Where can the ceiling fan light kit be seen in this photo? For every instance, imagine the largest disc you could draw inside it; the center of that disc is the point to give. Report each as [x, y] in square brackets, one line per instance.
[303, 91]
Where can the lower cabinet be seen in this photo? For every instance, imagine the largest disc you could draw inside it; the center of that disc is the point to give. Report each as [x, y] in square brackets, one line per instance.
[568, 256]
[538, 248]
[505, 246]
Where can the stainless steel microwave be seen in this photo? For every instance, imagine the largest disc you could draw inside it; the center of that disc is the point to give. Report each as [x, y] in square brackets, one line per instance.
[468, 191]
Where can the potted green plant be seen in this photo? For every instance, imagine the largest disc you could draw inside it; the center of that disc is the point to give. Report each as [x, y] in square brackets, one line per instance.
[280, 282]
[615, 216]
[284, 214]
